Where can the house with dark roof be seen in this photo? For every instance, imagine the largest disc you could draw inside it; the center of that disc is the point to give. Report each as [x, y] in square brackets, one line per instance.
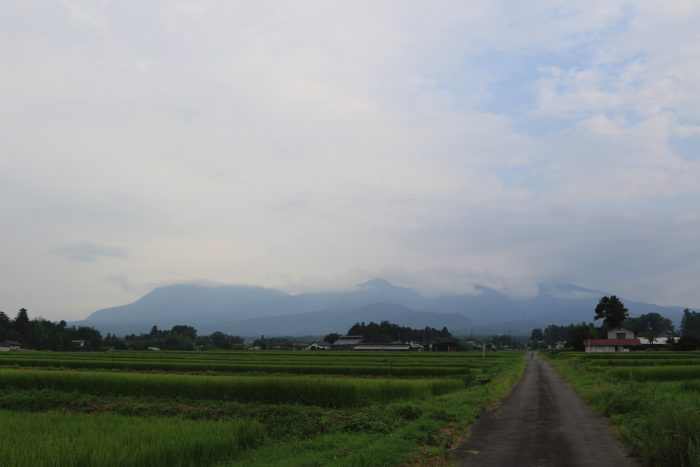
[618, 340]
[7, 346]
[444, 346]
[347, 342]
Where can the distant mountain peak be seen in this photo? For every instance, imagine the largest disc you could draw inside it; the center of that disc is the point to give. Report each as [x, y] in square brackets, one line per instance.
[568, 291]
[377, 283]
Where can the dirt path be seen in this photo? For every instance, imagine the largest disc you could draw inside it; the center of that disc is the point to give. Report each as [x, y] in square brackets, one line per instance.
[543, 422]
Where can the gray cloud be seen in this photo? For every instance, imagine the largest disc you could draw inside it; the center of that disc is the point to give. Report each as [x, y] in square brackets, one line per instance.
[89, 252]
[305, 144]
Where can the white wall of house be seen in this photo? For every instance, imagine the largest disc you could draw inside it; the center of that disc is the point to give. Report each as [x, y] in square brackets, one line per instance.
[606, 348]
[600, 348]
[620, 333]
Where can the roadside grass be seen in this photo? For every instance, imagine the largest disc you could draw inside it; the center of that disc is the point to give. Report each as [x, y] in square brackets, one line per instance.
[656, 410]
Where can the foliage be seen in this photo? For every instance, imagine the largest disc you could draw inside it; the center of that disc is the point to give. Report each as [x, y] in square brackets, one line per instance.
[388, 332]
[537, 335]
[578, 333]
[42, 334]
[612, 311]
[505, 341]
[690, 324]
[650, 325]
[332, 337]
[220, 340]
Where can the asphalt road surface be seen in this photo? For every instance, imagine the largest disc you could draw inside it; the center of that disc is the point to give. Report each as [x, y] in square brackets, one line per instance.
[543, 422]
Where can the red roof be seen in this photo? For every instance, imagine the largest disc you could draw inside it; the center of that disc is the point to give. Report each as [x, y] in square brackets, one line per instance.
[611, 342]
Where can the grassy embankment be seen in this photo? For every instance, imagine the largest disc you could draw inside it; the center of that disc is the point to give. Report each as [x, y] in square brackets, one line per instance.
[303, 414]
[652, 398]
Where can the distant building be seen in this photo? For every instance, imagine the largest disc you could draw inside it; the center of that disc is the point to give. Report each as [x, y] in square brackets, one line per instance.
[390, 347]
[444, 346]
[620, 333]
[78, 344]
[347, 342]
[657, 341]
[619, 340]
[9, 346]
[319, 346]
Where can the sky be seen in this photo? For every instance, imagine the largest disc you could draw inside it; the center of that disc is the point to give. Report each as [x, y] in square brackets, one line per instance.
[312, 145]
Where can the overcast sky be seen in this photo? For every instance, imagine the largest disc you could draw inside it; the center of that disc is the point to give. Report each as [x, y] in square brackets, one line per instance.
[312, 145]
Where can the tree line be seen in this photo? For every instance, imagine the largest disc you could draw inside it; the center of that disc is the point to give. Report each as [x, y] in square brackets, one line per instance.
[42, 334]
[614, 314]
[386, 331]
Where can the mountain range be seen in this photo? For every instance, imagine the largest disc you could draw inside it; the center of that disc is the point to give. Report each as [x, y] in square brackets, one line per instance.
[252, 311]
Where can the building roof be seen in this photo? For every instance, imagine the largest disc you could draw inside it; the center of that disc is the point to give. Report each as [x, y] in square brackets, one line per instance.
[320, 344]
[594, 342]
[347, 340]
[10, 344]
[382, 347]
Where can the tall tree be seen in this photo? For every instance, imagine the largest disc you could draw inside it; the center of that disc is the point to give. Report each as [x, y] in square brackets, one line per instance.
[22, 325]
[4, 324]
[690, 324]
[612, 311]
[578, 333]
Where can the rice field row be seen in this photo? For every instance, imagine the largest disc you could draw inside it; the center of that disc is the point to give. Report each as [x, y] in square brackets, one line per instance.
[308, 363]
[385, 369]
[335, 357]
[326, 391]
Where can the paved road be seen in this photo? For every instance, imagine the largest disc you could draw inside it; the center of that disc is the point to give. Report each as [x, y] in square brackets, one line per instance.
[543, 422]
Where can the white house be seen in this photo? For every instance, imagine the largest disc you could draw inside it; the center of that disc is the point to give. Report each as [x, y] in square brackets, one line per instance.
[319, 346]
[7, 346]
[621, 333]
[619, 340]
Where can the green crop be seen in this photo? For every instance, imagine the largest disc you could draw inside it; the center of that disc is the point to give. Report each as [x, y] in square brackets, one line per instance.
[56, 439]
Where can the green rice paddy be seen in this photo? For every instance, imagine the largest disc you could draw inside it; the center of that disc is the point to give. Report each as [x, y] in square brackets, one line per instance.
[243, 407]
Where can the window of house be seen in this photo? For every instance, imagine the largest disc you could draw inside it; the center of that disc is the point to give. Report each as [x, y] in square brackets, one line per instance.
[620, 335]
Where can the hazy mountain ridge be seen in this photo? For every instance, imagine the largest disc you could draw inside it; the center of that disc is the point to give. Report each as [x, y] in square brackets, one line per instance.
[248, 310]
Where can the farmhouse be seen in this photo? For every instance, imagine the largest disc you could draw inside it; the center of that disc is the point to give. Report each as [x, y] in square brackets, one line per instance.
[346, 342]
[7, 346]
[78, 344]
[319, 346]
[619, 340]
[444, 346]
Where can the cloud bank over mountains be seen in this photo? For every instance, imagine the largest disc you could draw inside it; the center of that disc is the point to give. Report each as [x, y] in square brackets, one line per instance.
[308, 145]
[252, 311]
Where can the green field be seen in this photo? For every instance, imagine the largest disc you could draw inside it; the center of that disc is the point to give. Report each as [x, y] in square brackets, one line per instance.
[243, 407]
[652, 398]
